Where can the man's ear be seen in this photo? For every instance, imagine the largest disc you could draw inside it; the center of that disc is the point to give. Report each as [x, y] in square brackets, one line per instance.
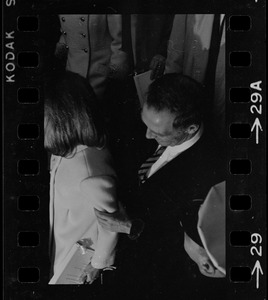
[192, 129]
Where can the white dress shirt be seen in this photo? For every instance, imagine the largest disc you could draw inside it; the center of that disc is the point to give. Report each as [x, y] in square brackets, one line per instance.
[173, 151]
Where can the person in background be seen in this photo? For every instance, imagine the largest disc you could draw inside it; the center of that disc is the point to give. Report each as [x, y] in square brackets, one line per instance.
[92, 45]
[149, 38]
[196, 48]
[174, 182]
[144, 39]
[82, 177]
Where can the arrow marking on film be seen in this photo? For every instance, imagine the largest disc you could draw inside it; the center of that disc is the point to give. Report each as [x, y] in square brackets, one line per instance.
[258, 270]
[256, 124]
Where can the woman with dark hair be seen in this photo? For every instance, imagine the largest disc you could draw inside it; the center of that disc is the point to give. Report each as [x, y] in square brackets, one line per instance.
[82, 177]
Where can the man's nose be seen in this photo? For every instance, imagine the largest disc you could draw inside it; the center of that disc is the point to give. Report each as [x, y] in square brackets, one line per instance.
[149, 134]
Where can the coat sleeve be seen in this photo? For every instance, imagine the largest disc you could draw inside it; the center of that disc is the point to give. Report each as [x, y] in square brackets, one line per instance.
[118, 60]
[101, 192]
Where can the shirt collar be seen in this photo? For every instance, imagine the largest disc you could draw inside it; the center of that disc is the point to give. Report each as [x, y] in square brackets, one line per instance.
[80, 148]
[77, 149]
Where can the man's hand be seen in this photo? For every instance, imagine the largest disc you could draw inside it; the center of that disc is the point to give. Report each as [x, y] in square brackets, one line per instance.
[157, 66]
[115, 222]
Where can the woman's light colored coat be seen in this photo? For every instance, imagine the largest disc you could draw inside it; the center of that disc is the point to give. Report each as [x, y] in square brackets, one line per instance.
[79, 184]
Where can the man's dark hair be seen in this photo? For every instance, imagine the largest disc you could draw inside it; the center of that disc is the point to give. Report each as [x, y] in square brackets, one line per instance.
[72, 115]
[179, 94]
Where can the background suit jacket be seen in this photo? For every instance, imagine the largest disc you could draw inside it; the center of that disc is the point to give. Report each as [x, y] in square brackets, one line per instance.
[188, 53]
[149, 37]
[78, 184]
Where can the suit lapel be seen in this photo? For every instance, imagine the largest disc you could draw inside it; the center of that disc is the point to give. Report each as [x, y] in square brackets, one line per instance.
[183, 159]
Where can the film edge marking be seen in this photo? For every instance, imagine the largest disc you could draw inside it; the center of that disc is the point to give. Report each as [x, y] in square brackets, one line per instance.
[254, 98]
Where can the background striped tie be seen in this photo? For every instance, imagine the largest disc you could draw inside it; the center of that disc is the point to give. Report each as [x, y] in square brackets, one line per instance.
[145, 167]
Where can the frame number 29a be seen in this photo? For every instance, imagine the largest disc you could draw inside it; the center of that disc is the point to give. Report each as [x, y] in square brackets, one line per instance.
[256, 108]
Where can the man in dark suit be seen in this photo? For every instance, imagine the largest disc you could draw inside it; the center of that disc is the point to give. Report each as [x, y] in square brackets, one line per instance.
[173, 184]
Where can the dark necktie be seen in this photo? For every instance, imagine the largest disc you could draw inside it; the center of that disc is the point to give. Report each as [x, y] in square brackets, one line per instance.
[145, 167]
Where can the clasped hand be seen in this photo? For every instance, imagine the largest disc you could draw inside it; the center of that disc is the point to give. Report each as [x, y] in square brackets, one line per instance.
[115, 222]
[157, 66]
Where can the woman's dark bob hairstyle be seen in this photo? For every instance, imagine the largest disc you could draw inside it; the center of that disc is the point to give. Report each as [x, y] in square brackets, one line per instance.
[72, 116]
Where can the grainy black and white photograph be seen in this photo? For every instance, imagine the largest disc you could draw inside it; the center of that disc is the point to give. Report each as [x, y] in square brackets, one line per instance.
[133, 134]
[130, 134]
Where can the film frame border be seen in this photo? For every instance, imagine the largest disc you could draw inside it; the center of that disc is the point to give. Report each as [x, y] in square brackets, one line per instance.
[252, 148]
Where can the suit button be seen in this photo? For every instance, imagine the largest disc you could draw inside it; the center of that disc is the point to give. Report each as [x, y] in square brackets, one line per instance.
[85, 50]
[64, 32]
[83, 35]
[66, 46]
[82, 19]
[63, 19]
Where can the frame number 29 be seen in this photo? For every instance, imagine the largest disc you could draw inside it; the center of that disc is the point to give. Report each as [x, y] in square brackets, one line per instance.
[256, 250]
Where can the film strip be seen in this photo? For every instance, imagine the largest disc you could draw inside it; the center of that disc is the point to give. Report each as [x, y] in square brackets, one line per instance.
[244, 236]
[26, 177]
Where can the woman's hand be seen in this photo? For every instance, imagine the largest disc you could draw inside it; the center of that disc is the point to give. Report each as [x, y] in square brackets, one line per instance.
[90, 274]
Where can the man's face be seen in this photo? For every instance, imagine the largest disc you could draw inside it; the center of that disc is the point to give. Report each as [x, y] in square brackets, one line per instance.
[160, 127]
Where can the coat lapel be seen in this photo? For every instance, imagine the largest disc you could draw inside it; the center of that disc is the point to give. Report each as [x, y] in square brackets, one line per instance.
[167, 171]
